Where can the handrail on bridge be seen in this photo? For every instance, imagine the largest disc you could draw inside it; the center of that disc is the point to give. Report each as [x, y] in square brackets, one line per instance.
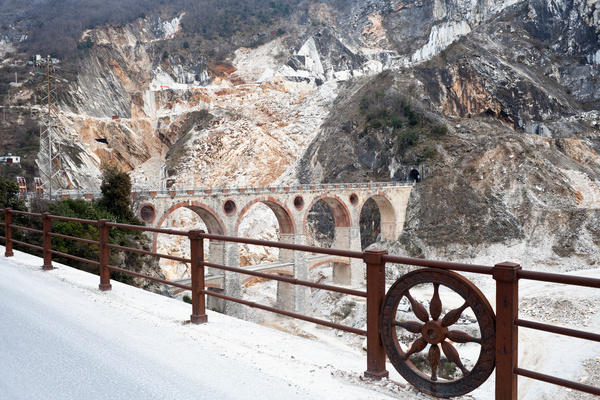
[79, 194]
[506, 276]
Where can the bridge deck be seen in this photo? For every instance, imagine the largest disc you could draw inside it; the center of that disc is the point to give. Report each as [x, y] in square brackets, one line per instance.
[232, 189]
[283, 266]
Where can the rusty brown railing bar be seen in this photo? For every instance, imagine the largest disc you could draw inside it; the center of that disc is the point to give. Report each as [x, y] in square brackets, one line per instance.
[27, 214]
[151, 278]
[284, 245]
[76, 239]
[148, 253]
[421, 262]
[31, 246]
[47, 242]
[70, 219]
[507, 333]
[558, 278]
[558, 381]
[148, 229]
[72, 257]
[558, 329]
[295, 281]
[288, 313]
[198, 315]
[8, 249]
[376, 354]
[104, 255]
[24, 228]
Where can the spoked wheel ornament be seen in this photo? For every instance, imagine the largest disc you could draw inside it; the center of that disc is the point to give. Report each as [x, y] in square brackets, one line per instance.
[431, 326]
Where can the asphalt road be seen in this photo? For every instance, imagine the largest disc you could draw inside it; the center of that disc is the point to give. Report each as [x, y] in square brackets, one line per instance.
[58, 343]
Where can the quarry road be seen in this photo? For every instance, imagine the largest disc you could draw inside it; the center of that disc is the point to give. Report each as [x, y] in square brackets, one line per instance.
[61, 338]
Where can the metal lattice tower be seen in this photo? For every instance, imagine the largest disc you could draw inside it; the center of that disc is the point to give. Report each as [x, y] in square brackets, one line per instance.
[50, 156]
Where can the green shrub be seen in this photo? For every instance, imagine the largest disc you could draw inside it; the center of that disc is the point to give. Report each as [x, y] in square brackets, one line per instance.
[429, 152]
[439, 130]
[407, 138]
[396, 123]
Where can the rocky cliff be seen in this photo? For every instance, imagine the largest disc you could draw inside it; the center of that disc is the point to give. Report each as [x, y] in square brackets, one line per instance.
[518, 171]
[498, 98]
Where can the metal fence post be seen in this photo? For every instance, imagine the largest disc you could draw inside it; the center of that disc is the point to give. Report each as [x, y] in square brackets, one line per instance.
[8, 250]
[198, 298]
[47, 241]
[104, 255]
[375, 296]
[507, 339]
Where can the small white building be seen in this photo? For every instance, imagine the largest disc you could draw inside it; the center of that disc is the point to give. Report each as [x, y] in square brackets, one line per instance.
[8, 158]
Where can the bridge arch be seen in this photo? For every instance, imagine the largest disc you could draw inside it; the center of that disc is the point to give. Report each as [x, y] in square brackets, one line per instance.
[333, 260]
[281, 272]
[341, 213]
[345, 235]
[341, 269]
[282, 213]
[387, 213]
[209, 216]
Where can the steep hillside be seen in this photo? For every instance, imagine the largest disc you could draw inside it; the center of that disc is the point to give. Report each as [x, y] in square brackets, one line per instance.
[518, 170]
[499, 99]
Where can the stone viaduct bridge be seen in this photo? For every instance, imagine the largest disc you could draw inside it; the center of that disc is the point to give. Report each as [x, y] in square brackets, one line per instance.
[222, 210]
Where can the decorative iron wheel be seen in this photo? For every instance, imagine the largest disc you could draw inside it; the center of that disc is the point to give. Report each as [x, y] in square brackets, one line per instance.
[406, 339]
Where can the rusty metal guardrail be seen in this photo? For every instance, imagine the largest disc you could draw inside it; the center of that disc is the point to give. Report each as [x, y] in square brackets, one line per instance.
[498, 332]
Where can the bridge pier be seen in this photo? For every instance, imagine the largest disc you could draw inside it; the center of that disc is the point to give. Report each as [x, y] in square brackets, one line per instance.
[216, 255]
[357, 268]
[286, 255]
[302, 303]
[285, 296]
[352, 274]
[232, 281]
[294, 297]
[215, 303]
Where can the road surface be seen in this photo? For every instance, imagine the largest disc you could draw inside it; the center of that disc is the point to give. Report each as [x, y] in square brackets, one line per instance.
[61, 338]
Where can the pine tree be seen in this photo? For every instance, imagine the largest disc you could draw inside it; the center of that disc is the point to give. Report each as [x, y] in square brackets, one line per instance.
[116, 193]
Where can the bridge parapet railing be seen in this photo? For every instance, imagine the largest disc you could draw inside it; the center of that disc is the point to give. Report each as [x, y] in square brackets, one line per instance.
[498, 330]
[146, 192]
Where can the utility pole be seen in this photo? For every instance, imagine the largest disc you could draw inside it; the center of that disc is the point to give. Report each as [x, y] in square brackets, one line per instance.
[50, 155]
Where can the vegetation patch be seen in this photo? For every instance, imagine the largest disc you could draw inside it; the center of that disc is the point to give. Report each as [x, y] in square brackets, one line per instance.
[386, 110]
[114, 205]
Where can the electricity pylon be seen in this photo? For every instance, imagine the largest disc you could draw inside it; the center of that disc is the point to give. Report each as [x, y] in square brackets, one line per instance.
[50, 155]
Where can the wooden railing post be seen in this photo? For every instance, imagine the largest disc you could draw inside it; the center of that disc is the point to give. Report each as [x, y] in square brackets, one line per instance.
[198, 298]
[8, 250]
[47, 241]
[507, 338]
[104, 255]
[375, 296]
